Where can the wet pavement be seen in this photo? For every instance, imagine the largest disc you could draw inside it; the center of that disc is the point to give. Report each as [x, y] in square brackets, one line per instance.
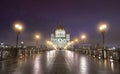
[59, 62]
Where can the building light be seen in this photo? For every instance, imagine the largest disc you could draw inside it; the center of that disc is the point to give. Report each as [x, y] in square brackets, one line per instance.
[6, 46]
[113, 48]
[1, 44]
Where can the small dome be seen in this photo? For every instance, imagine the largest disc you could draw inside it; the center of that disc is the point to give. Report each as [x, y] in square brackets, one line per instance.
[60, 27]
[68, 33]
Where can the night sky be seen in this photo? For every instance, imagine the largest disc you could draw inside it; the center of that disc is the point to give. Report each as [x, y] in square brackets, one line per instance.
[43, 16]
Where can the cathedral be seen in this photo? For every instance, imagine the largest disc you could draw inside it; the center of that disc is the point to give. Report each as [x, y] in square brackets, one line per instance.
[60, 37]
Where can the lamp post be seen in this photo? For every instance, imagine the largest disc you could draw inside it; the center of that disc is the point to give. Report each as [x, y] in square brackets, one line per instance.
[18, 28]
[22, 44]
[37, 38]
[22, 47]
[76, 40]
[103, 28]
[83, 37]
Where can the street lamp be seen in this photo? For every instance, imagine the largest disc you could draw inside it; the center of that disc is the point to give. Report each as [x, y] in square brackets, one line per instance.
[83, 37]
[103, 29]
[76, 40]
[22, 44]
[37, 38]
[18, 28]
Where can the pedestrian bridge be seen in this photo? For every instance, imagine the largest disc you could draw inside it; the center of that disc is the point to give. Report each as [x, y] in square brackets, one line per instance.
[58, 62]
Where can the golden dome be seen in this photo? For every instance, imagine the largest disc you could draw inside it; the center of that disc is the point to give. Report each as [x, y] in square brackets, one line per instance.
[68, 33]
[60, 27]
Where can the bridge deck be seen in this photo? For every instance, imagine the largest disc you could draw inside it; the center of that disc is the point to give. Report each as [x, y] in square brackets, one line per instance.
[59, 62]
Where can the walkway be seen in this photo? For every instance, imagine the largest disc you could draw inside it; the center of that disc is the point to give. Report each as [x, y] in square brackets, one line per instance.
[59, 62]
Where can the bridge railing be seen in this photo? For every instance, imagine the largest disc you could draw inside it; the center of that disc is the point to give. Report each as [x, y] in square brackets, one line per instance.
[97, 53]
[7, 53]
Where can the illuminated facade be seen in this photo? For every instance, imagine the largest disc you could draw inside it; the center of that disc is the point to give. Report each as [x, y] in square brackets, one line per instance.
[60, 37]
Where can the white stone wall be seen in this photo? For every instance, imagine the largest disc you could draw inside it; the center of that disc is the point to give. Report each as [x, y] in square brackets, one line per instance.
[60, 38]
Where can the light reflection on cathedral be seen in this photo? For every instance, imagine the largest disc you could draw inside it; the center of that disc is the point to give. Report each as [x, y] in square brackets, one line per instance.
[60, 37]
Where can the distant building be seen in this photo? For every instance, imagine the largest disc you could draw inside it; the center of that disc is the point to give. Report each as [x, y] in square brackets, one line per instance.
[60, 37]
[2, 45]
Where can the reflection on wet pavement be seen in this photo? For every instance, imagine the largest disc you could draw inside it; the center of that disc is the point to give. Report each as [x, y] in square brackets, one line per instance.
[59, 62]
